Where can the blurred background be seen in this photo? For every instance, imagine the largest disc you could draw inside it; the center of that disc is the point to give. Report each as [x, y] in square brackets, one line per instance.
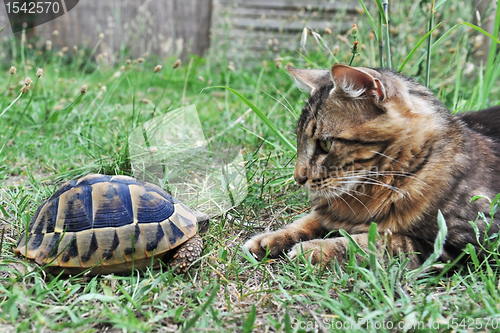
[239, 28]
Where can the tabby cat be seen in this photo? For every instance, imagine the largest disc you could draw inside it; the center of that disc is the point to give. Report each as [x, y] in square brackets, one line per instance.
[375, 146]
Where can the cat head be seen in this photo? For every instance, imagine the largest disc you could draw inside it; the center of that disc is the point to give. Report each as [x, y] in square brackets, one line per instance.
[359, 124]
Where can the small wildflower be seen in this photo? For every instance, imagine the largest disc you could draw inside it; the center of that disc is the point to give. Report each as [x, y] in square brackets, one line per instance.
[153, 150]
[64, 49]
[278, 62]
[101, 36]
[122, 68]
[201, 78]
[478, 41]
[177, 63]
[48, 45]
[328, 31]
[354, 31]
[55, 33]
[75, 48]
[26, 86]
[84, 89]
[128, 61]
[354, 49]
[231, 66]
[13, 70]
[39, 72]
[158, 68]
[140, 60]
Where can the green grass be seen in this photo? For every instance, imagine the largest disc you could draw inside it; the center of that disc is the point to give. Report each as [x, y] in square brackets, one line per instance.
[54, 133]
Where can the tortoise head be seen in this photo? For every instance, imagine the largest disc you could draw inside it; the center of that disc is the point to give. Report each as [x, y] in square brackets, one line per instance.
[203, 221]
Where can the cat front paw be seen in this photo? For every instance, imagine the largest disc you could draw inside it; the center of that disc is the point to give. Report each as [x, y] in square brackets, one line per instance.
[320, 251]
[273, 244]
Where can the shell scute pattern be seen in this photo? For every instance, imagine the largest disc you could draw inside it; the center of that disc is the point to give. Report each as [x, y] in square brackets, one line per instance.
[107, 223]
[75, 210]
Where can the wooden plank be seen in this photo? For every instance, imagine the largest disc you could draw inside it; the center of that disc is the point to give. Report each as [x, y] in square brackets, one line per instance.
[291, 4]
[281, 26]
[323, 6]
[287, 13]
[273, 26]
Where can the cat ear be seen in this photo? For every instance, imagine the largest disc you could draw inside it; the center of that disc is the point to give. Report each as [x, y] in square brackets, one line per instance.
[357, 82]
[310, 80]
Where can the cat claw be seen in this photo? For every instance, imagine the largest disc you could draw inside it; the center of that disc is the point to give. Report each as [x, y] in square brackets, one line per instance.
[292, 254]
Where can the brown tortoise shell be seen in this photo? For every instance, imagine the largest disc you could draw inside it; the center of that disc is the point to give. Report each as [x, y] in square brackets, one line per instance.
[108, 224]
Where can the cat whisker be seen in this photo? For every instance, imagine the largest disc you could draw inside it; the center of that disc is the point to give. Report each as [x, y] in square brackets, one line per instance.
[354, 197]
[373, 182]
[388, 157]
[371, 174]
[398, 174]
[345, 201]
[385, 173]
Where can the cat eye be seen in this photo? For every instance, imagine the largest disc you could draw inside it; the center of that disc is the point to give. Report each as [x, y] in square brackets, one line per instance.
[326, 145]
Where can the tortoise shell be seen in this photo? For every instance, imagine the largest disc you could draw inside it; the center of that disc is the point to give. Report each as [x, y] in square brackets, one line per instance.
[106, 224]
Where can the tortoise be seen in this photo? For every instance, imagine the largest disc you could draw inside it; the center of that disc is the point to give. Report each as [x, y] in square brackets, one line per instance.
[111, 224]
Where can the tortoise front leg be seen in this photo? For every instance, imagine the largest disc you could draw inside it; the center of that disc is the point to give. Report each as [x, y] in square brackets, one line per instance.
[187, 254]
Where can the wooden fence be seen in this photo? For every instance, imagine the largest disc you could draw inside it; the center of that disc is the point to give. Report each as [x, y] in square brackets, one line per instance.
[163, 27]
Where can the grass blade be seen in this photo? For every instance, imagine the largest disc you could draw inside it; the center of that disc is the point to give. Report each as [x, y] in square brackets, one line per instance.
[387, 38]
[438, 248]
[248, 324]
[429, 47]
[415, 48]
[370, 18]
[290, 147]
[372, 246]
[491, 75]
[444, 37]
[192, 322]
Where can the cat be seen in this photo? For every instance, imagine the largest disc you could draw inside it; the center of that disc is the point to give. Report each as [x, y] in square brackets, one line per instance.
[376, 146]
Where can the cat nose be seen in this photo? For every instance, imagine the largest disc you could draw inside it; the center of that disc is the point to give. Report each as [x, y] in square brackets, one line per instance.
[301, 180]
[300, 175]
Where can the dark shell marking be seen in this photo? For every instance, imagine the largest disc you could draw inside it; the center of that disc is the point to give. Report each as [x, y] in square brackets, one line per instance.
[110, 223]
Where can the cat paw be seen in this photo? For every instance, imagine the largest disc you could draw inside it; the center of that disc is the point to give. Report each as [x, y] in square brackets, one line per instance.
[319, 251]
[273, 244]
